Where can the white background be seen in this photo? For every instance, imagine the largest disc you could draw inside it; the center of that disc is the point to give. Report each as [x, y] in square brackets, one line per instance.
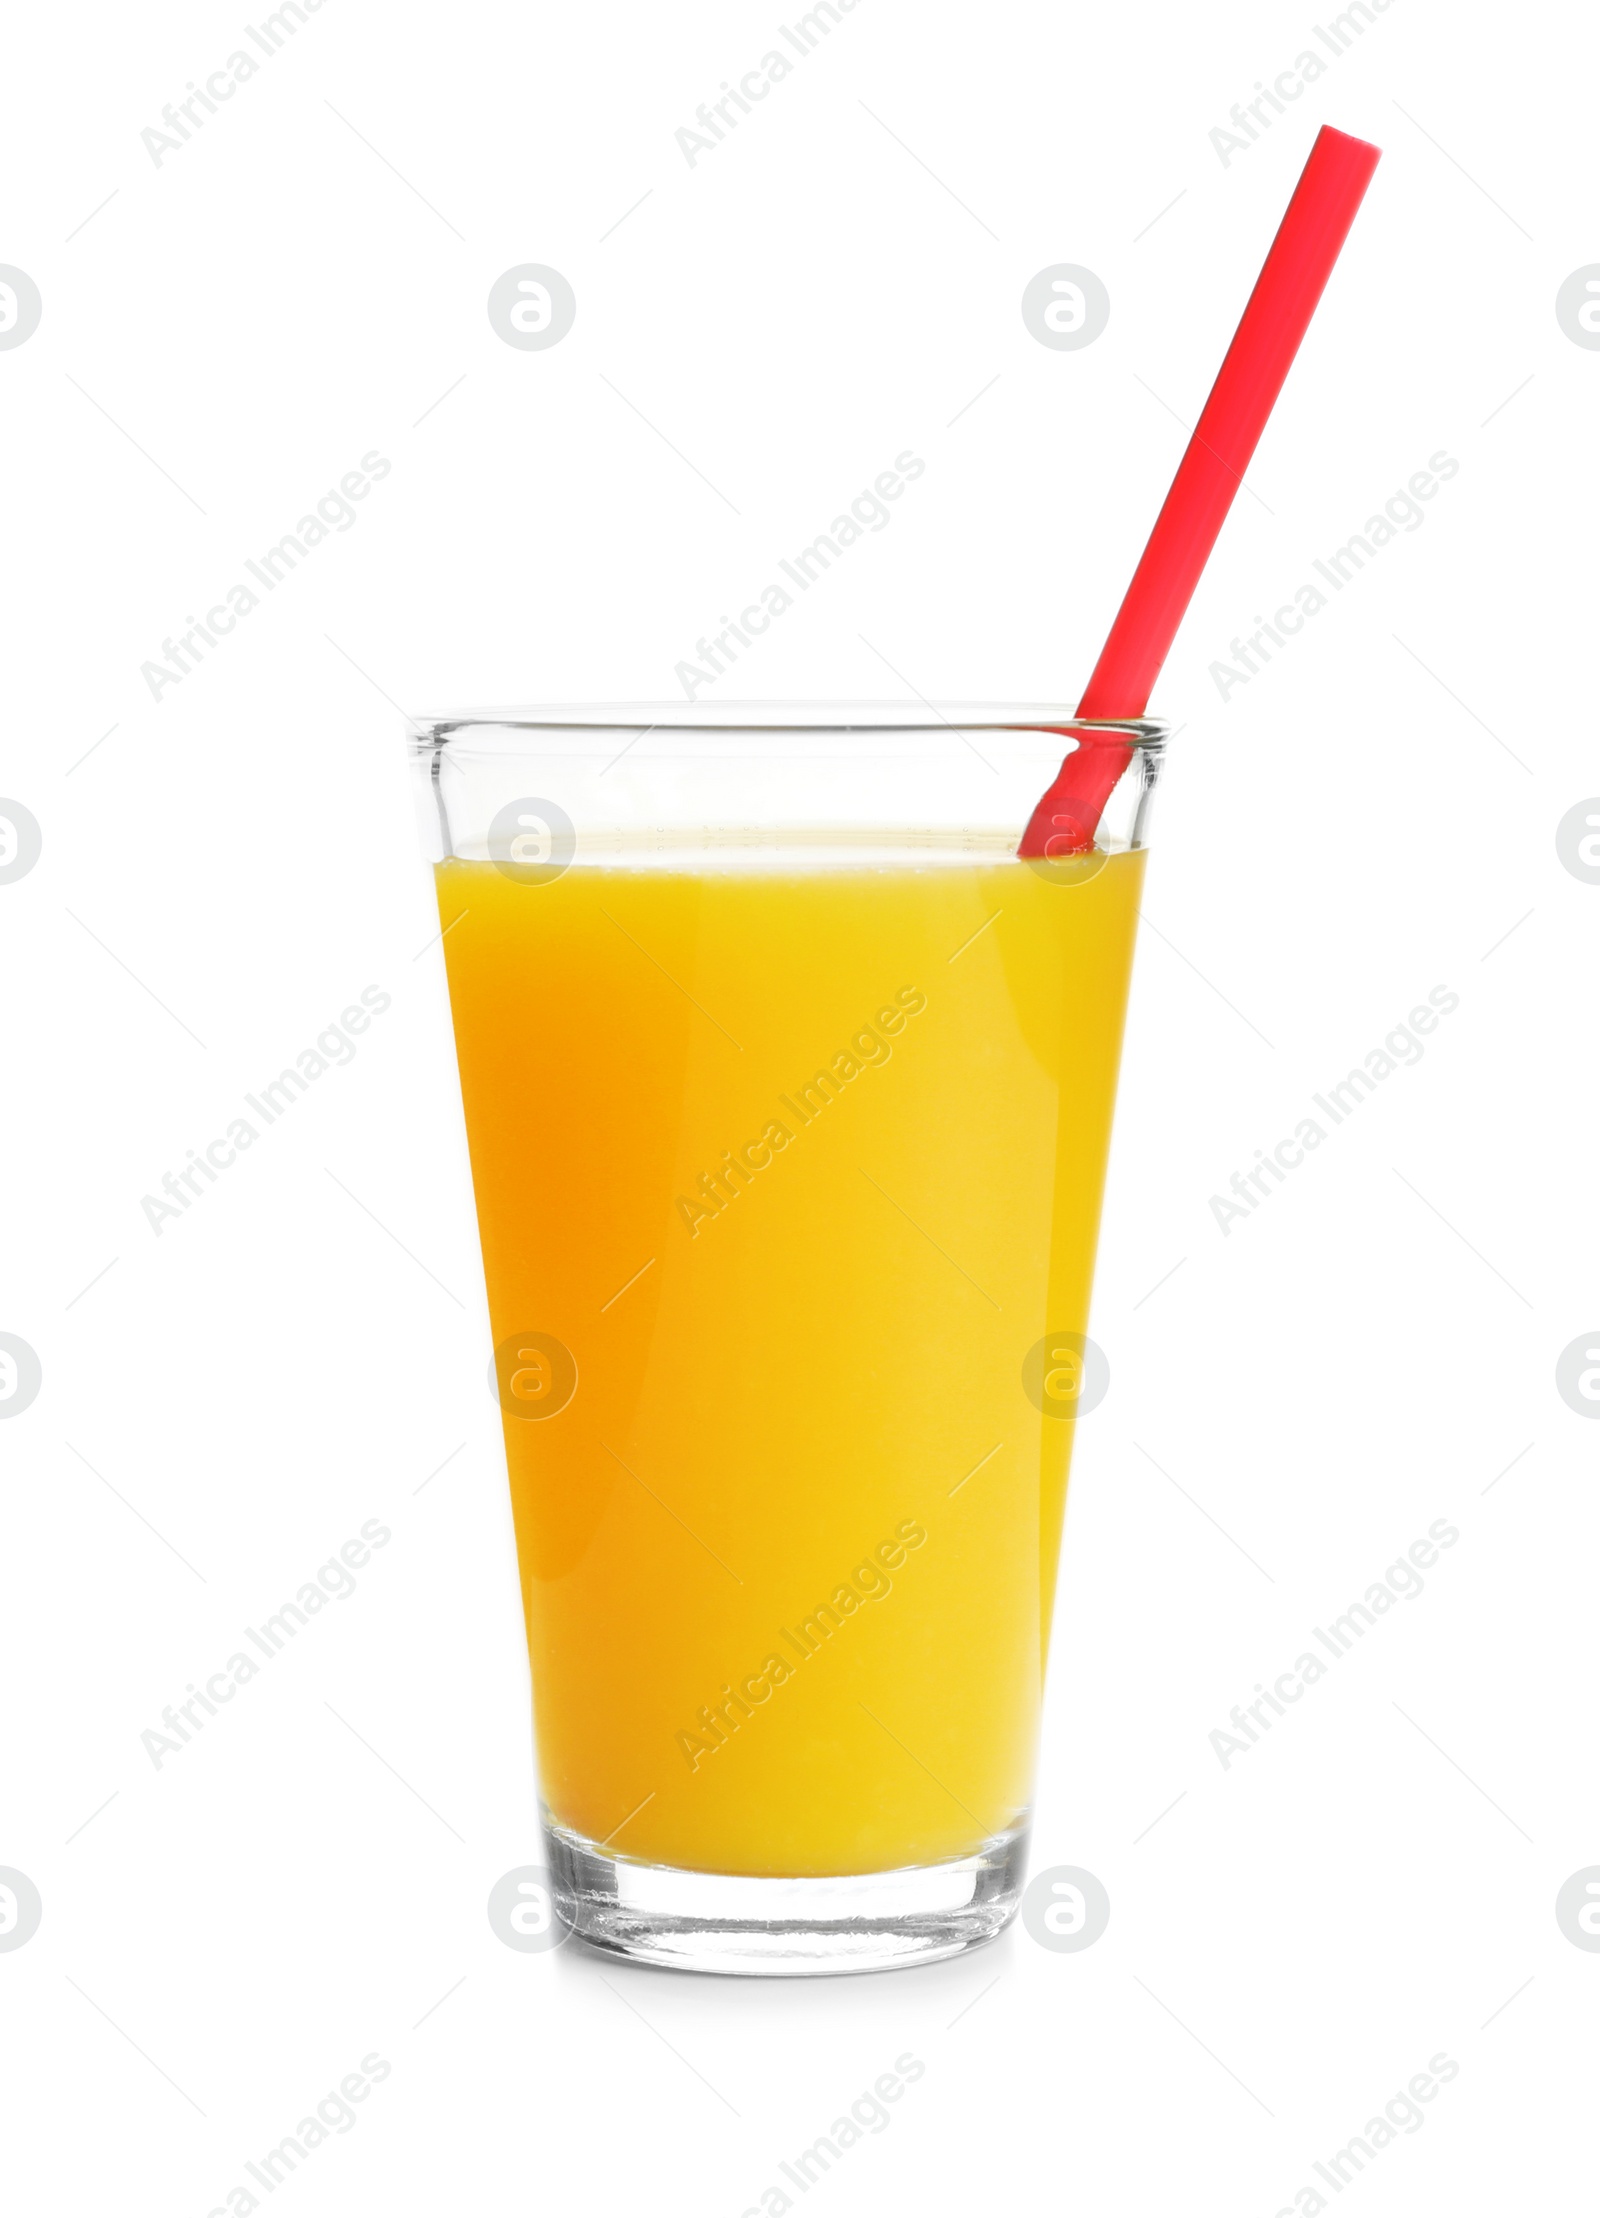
[223, 870]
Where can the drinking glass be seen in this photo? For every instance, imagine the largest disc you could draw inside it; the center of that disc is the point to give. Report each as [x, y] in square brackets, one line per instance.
[788, 1093]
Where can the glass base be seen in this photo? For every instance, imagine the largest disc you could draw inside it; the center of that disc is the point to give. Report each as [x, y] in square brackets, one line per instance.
[698, 1921]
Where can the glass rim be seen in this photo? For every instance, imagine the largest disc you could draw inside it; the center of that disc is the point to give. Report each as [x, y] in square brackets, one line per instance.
[650, 779]
[428, 731]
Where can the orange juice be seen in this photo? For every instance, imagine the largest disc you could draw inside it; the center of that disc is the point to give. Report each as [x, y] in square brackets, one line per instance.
[783, 1176]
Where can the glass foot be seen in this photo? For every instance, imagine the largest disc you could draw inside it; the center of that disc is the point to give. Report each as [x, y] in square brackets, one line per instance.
[700, 1921]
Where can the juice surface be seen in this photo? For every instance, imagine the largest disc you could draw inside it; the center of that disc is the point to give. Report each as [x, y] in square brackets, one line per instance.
[797, 1167]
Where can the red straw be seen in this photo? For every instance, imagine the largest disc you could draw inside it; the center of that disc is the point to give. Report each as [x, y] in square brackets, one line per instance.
[1270, 331]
